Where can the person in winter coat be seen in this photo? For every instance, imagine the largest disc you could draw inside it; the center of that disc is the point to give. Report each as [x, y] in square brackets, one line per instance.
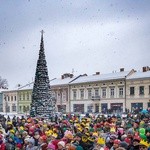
[116, 144]
[2, 144]
[51, 147]
[10, 144]
[30, 145]
[42, 143]
[61, 145]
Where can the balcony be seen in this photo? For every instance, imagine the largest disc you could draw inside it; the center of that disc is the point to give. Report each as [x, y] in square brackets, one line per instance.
[95, 98]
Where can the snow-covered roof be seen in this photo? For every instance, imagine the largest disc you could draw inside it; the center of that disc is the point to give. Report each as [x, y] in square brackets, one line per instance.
[26, 87]
[139, 75]
[53, 82]
[101, 77]
[59, 81]
[3, 90]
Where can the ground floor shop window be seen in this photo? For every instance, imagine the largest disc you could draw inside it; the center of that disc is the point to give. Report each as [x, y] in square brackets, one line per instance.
[97, 108]
[136, 107]
[116, 107]
[61, 108]
[78, 108]
[148, 105]
[104, 107]
[90, 108]
[13, 107]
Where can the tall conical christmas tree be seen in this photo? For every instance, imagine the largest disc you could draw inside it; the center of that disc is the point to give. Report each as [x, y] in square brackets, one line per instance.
[42, 102]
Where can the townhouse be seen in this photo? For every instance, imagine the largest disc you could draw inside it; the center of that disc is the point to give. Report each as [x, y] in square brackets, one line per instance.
[99, 92]
[138, 90]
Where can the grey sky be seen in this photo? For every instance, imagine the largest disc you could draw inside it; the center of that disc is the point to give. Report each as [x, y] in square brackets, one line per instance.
[84, 35]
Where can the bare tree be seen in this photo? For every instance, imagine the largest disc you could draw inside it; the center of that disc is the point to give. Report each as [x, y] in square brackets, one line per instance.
[3, 83]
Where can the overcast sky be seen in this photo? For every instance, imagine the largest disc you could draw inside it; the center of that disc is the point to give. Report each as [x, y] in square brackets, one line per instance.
[81, 35]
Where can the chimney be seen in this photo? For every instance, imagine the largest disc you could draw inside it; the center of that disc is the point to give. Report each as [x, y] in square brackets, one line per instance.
[97, 73]
[62, 77]
[144, 69]
[121, 69]
[71, 75]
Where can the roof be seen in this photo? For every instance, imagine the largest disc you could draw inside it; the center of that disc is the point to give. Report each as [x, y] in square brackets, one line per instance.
[101, 77]
[3, 90]
[53, 82]
[139, 75]
[60, 81]
[28, 86]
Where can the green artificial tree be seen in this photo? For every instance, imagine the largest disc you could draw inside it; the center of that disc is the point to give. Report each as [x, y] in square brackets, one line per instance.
[42, 102]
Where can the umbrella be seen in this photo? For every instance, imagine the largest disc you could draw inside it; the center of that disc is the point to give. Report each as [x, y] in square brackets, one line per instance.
[144, 111]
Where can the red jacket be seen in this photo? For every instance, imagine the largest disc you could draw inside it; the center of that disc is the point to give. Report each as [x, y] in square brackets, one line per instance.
[2, 146]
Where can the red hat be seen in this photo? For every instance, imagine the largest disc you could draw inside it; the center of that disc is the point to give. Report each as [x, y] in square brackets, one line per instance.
[127, 140]
[137, 138]
[116, 141]
[43, 138]
[19, 146]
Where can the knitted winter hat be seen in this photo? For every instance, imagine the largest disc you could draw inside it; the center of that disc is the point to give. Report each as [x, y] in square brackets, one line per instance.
[124, 145]
[62, 143]
[51, 146]
[31, 140]
[79, 134]
[116, 141]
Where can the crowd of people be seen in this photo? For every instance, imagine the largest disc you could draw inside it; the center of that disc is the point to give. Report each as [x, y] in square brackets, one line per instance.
[73, 133]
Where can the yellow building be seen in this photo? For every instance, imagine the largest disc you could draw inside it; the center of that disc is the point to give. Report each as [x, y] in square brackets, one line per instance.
[24, 98]
[138, 90]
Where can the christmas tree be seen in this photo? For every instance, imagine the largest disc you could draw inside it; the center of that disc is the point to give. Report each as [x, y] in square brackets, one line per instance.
[42, 102]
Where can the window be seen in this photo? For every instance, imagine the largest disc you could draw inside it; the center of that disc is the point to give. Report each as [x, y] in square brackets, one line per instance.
[149, 89]
[121, 91]
[20, 108]
[11, 98]
[104, 92]
[89, 93]
[15, 98]
[8, 109]
[24, 109]
[89, 108]
[141, 90]
[5, 98]
[64, 96]
[96, 92]
[74, 94]
[131, 90]
[82, 93]
[112, 92]
[27, 108]
[27, 96]
[8, 98]
[13, 107]
[23, 96]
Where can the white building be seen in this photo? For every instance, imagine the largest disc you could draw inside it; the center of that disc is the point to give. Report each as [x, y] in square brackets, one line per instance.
[99, 92]
[10, 101]
[60, 91]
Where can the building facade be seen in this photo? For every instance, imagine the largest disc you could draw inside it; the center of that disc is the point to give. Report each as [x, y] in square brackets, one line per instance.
[1, 101]
[24, 99]
[99, 93]
[60, 91]
[138, 90]
[10, 102]
[109, 93]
